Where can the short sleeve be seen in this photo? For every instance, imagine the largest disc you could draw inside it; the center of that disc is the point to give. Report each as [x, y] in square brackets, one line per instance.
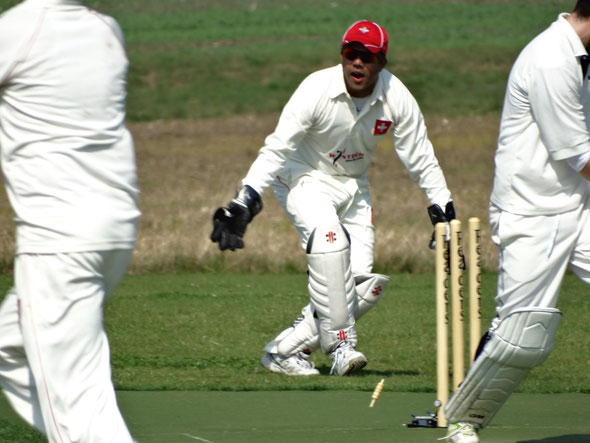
[554, 95]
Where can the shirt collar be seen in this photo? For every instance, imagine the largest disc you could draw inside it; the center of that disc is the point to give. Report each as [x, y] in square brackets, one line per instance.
[573, 39]
[338, 87]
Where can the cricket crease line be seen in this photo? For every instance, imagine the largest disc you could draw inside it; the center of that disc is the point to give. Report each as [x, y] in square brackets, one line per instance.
[197, 438]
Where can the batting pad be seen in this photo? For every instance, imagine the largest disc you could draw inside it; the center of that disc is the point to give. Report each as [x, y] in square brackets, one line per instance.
[331, 285]
[304, 334]
[369, 288]
[522, 341]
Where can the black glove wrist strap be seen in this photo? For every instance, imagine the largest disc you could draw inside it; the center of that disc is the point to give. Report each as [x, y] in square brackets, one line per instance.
[247, 197]
[437, 215]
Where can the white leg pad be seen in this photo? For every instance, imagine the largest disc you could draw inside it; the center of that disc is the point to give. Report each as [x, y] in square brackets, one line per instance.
[331, 285]
[369, 288]
[303, 336]
[522, 341]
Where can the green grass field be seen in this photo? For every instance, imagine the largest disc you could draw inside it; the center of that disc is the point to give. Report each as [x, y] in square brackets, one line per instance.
[323, 417]
[186, 349]
[206, 82]
[200, 59]
[197, 58]
[206, 332]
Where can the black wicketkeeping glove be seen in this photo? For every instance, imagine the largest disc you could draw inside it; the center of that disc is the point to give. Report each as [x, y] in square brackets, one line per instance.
[229, 223]
[437, 215]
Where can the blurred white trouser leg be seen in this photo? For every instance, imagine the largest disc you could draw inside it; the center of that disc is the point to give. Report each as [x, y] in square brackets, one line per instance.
[16, 378]
[61, 316]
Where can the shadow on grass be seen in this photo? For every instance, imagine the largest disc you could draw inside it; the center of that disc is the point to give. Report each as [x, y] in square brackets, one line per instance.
[324, 369]
[572, 438]
[391, 372]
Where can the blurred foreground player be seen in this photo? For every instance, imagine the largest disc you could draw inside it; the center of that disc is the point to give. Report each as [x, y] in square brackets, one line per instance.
[539, 215]
[316, 161]
[69, 170]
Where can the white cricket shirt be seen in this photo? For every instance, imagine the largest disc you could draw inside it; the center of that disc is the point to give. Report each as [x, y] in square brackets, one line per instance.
[321, 132]
[67, 158]
[544, 122]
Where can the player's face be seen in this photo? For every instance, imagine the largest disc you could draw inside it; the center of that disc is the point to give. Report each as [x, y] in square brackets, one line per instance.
[361, 69]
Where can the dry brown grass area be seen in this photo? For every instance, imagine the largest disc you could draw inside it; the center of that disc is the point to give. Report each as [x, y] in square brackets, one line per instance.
[189, 168]
[465, 149]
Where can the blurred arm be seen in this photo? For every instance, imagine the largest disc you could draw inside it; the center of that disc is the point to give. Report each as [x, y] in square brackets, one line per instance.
[581, 164]
[586, 171]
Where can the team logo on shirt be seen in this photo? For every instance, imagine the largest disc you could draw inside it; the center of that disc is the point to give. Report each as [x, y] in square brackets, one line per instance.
[381, 127]
[337, 156]
[342, 155]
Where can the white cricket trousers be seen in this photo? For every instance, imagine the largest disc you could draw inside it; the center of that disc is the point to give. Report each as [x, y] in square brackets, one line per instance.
[54, 355]
[534, 254]
[310, 201]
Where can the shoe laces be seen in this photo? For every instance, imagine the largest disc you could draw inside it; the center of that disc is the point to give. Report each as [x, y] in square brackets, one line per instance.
[302, 359]
[338, 354]
[462, 428]
[298, 320]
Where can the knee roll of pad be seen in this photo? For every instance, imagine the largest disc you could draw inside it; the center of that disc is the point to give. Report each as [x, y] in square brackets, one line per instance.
[331, 284]
[522, 341]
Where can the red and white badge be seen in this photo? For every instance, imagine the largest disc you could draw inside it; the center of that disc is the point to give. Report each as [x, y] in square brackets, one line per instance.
[381, 127]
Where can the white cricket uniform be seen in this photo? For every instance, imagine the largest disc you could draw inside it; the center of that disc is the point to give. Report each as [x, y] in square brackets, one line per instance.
[69, 170]
[317, 158]
[539, 206]
[539, 216]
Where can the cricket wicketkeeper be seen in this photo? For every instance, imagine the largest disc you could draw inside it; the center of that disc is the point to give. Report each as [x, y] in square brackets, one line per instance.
[316, 161]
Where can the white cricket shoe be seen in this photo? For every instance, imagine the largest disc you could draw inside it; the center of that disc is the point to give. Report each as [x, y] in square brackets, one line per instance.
[345, 360]
[296, 364]
[461, 433]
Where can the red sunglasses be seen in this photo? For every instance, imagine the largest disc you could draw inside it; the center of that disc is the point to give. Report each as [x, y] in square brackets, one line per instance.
[365, 56]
